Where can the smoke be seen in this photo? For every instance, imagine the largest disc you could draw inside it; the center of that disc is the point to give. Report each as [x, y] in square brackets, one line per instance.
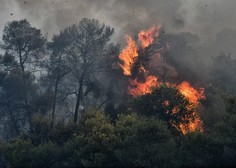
[126, 16]
[197, 29]
[205, 18]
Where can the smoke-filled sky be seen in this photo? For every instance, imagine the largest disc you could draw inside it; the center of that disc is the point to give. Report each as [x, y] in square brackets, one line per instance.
[212, 22]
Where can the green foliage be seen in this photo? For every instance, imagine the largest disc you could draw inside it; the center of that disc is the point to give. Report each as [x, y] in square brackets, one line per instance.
[214, 109]
[90, 144]
[43, 132]
[199, 149]
[230, 103]
[144, 142]
[222, 73]
[225, 134]
[40, 131]
[133, 140]
[99, 136]
[18, 153]
[45, 155]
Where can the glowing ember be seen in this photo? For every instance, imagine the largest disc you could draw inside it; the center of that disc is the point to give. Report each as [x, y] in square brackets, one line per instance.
[175, 110]
[128, 55]
[138, 89]
[166, 103]
[147, 37]
[192, 126]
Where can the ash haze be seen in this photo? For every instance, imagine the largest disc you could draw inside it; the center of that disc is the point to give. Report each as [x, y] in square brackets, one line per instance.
[202, 17]
[208, 26]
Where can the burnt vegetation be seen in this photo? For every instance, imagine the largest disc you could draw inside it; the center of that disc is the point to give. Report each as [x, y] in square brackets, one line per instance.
[64, 103]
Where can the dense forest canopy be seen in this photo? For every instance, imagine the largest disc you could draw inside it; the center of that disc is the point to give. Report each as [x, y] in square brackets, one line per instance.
[81, 100]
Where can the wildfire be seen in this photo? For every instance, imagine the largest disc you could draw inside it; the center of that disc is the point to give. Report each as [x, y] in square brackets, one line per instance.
[193, 125]
[147, 37]
[192, 94]
[136, 88]
[128, 55]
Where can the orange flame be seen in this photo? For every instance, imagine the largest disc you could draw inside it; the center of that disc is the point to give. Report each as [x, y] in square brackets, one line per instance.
[147, 37]
[128, 55]
[137, 89]
[192, 94]
[192, 126]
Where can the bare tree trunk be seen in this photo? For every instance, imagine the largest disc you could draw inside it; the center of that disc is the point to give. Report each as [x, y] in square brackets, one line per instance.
[21, 63]
[79, 96]
[55, 91]
[29, 115]
[54, 101]
[13, 121]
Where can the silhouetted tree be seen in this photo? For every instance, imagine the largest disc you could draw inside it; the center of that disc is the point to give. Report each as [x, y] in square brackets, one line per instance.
[89, 43]
[58, 65]
[23, 46]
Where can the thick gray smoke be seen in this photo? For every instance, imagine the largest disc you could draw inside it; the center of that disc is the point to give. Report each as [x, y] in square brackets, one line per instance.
[126, 16]
[202, 17]
[198, 29]
[212, 20]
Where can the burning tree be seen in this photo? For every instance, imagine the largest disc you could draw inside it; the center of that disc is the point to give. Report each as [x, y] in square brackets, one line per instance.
[177, 101]
[170, 105]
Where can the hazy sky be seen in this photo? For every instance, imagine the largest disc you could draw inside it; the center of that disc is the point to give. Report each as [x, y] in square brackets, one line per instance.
[198, 30]
[212, 21]
[204, 17]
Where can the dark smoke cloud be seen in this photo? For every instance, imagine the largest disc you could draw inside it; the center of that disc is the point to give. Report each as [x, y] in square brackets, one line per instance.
[202, 17]
[198, 29]
[127, 16]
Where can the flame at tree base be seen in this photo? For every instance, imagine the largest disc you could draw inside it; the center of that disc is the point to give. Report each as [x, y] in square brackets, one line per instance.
[191, 123]
[192, 126]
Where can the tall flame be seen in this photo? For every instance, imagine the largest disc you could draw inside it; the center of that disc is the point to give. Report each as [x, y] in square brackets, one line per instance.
[194, 96]
[128, 57]
[191, 93]
[147, 37]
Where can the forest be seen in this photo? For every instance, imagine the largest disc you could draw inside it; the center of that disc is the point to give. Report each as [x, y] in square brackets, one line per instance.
[82, 100]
